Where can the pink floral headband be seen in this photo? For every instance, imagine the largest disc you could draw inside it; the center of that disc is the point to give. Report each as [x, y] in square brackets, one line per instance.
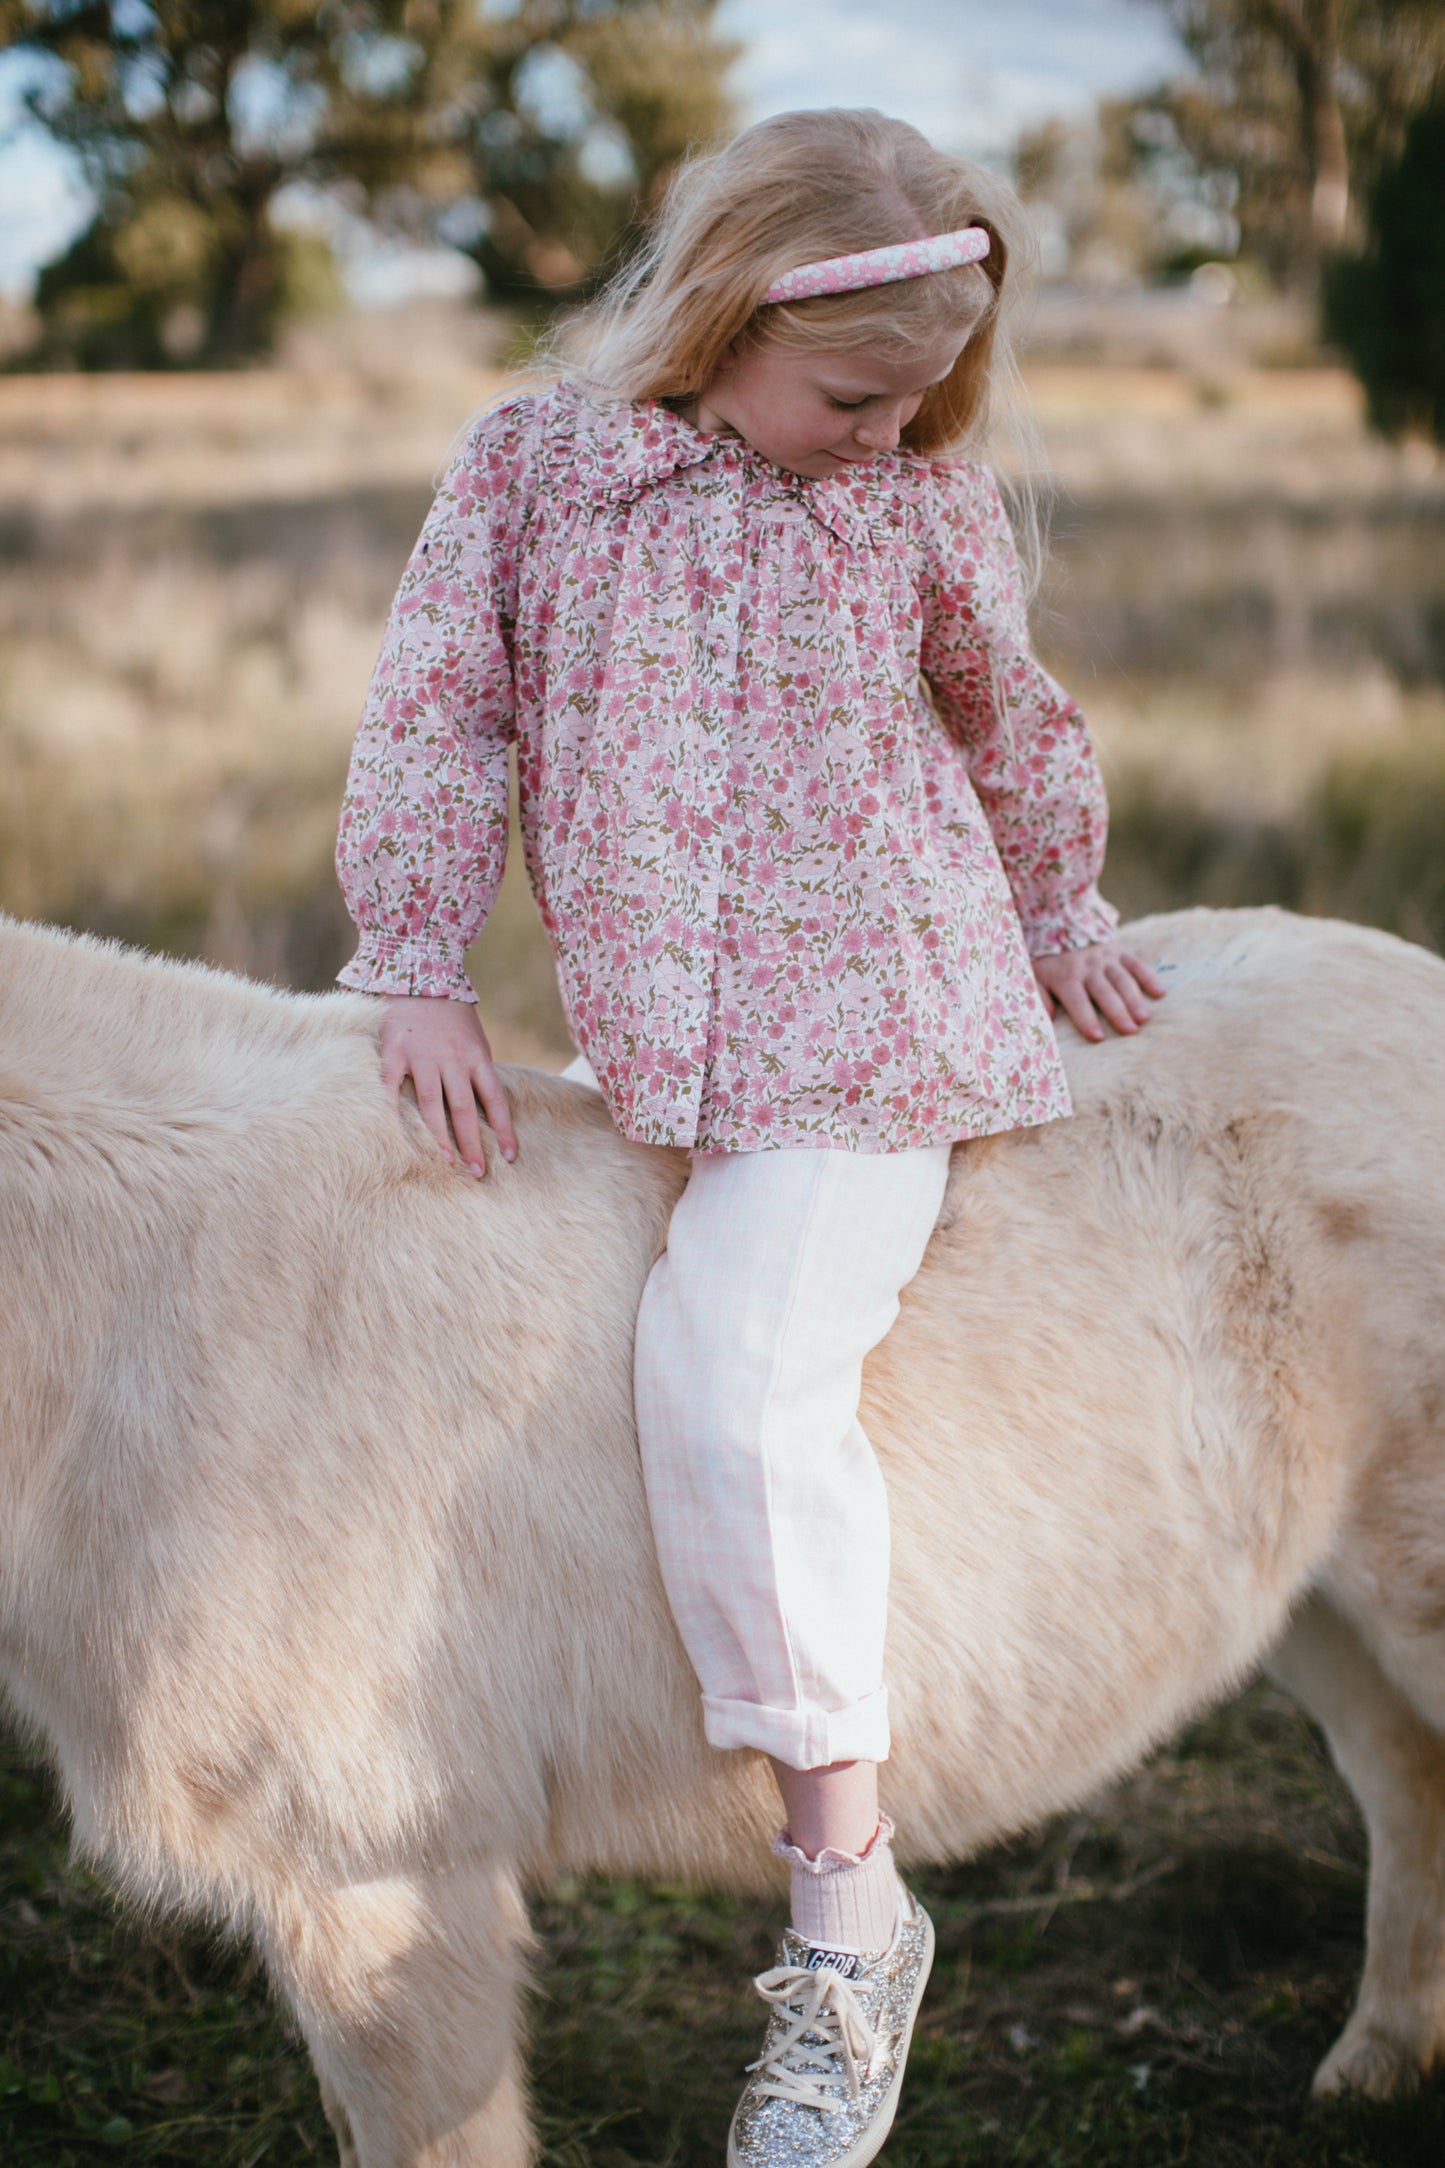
[882, 266]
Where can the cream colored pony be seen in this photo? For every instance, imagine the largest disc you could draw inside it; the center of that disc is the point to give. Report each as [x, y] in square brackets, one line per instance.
[324, 1565]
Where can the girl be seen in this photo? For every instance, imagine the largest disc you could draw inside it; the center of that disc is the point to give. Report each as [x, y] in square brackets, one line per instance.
[799, 808]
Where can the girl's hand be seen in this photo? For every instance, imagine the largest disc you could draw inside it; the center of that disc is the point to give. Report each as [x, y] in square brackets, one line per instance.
[441, 1046]
[1102, 981]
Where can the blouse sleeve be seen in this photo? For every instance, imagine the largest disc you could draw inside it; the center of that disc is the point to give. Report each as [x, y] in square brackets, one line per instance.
[423, 837]
[1028, 751]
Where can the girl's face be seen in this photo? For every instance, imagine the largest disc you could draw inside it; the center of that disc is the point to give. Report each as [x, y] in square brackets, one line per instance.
[817, 413]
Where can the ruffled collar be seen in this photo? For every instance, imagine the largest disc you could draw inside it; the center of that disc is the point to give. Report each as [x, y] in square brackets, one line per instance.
[624, 449]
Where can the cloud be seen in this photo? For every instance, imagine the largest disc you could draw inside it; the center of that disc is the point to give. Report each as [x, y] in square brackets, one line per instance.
[969, 73]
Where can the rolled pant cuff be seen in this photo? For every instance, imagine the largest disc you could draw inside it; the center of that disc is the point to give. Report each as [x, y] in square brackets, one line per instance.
[802, 1738]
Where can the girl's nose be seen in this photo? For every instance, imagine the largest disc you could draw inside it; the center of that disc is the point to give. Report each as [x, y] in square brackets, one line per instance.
[882, 430]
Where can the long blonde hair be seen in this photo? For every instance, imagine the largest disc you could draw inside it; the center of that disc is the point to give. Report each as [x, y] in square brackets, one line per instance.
[796, 189]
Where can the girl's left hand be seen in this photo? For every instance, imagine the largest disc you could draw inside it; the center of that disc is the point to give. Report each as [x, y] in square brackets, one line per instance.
[1100, 982]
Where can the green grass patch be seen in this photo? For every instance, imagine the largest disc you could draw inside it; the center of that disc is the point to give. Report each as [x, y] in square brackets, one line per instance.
[1147, 1983]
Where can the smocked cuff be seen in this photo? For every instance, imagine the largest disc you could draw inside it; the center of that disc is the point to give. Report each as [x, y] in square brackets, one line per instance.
[1086, 919]
[407, 964]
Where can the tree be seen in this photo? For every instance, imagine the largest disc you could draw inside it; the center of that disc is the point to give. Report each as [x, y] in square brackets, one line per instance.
[1386, 307]
[189, 117]
[1107, 203]
[571, 117]
[1298, 102]
[524, 135]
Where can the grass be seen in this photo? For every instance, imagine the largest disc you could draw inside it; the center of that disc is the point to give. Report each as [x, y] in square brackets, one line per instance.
[1146, 1983]
[181, 793]
[177, 695]
[174, 731]
[1325, 796]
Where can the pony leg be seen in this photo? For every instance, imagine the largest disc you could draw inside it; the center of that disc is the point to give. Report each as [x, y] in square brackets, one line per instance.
[406, 1989]
[1395, 1765]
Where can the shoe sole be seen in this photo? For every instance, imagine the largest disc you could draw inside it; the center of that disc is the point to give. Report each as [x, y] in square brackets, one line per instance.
[873, 2140]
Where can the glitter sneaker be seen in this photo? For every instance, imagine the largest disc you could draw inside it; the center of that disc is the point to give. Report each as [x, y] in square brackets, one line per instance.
[824, 2091]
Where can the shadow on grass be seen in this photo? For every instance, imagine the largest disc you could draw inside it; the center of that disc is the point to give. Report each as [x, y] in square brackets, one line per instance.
[1150, 1982]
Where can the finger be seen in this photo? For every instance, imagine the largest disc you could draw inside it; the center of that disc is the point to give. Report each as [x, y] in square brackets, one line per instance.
[462, 1102]
[494, 1105]
[1080, 1010]
[1111, 1005]
[394, 1069]
[1148, 978]
[431, 1107]
[1129, 992]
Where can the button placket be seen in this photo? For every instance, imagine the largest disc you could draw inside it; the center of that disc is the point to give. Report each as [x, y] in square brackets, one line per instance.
[722, 644]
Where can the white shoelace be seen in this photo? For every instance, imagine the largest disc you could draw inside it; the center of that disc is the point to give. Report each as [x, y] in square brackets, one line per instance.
[828, 2037]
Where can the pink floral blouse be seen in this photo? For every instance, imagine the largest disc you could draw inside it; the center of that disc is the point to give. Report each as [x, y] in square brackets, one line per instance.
[797, 800]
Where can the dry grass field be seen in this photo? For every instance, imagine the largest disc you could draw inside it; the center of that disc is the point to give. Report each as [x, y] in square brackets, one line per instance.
[1248, 596]
[1247, 593]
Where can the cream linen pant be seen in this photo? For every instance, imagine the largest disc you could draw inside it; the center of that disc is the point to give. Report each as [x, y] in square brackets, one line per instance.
[782, 1270]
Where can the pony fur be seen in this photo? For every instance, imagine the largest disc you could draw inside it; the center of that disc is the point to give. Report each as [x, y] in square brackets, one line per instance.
[325, 1570]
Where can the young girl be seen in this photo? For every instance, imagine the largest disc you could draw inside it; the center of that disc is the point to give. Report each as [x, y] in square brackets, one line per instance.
[799, 809]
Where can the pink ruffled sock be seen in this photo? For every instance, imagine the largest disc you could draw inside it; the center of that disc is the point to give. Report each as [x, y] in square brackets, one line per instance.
[846, 1901]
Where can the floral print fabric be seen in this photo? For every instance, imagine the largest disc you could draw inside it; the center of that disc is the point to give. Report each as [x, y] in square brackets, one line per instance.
[882, 266]
[797, 800]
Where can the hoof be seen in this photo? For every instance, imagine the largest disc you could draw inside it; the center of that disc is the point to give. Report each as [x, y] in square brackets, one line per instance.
[1370, 2060]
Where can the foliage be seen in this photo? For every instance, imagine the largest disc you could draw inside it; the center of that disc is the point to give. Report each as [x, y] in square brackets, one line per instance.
[572, 118]
[1113, 196]
[524, 135]
[1386, 307]
[1293, 106]
[189, 117]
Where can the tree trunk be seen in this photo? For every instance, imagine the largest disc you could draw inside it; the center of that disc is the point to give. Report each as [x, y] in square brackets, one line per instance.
[1315, 51]
[244, 303]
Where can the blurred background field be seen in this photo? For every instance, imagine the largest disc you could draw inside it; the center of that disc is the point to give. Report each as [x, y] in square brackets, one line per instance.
[1246, 592]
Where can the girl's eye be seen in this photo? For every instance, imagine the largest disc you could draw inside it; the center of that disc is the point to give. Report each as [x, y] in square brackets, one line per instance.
[846, 406]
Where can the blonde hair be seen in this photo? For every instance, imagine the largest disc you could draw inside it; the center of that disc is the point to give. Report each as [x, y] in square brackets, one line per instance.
[796, 189]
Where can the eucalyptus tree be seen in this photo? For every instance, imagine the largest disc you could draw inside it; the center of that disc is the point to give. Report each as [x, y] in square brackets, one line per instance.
[1386, 306]
[523, 131]
[1296, 105]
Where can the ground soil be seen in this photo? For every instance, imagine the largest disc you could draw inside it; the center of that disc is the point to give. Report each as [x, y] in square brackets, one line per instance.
[1147, 1983]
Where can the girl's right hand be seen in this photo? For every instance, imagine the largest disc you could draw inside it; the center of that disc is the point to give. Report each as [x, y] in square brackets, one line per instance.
[441, 1046]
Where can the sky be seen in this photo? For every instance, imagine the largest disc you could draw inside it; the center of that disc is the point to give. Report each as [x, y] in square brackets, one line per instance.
[969, 73]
